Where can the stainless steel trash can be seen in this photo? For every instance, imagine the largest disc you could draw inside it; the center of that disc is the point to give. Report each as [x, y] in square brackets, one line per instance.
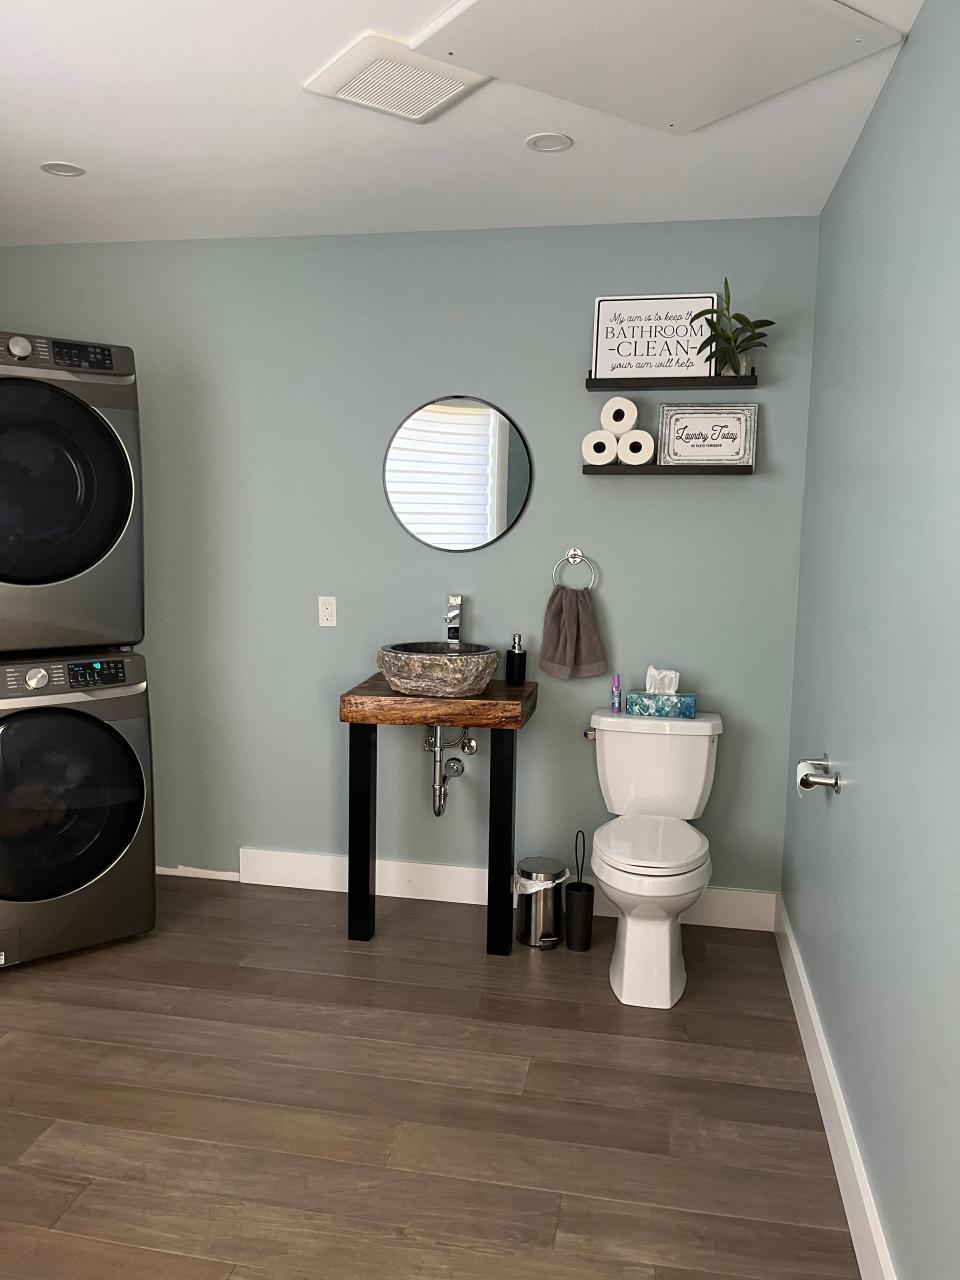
[539, 883]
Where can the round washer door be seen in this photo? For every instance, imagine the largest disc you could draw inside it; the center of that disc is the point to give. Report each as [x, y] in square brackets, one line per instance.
[71, 798]
[66, 488]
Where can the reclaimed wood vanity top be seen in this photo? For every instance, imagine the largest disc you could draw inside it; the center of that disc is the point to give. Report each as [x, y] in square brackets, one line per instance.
[500, 706]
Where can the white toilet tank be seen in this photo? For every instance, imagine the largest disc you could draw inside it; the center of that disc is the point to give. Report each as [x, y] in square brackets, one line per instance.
[657, 766]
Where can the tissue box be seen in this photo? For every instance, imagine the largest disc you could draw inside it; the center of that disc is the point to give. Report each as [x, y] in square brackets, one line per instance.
[677, 706]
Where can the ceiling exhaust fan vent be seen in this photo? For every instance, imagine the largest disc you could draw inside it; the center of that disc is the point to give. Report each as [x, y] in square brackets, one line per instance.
[388, 85]
[384, 74]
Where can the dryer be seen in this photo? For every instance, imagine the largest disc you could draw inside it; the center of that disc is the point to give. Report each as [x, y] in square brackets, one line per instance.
[76, 813]
[71, 525]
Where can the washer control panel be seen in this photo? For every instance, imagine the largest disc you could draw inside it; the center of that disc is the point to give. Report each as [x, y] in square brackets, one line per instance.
[47, 676]
[90, 675]
[32, 351]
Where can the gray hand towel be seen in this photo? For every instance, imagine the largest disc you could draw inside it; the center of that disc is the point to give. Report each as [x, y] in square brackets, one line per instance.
[571, 645]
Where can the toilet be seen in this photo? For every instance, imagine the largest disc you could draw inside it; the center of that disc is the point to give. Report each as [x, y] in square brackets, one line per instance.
[650, 862]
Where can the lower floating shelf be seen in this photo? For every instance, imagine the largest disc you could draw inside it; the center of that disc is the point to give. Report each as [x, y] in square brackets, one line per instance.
[681, 469]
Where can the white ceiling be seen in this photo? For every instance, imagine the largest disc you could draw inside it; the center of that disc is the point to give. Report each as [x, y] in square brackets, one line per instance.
[666, 65]
[191, 121]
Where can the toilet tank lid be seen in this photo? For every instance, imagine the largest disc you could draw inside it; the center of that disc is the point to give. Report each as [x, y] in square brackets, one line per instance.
[704, 724]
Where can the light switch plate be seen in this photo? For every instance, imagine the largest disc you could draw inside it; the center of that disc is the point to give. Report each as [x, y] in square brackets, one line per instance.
[327, 615]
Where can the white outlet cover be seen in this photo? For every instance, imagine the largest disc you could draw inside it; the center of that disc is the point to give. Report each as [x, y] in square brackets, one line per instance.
[327, 611]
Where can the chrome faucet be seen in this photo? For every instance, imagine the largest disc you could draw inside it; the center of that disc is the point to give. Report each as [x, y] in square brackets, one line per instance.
[452, 618]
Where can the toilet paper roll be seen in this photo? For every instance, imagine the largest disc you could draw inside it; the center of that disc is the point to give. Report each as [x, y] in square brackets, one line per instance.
[635, 448]
[599, 447]
[618, 415]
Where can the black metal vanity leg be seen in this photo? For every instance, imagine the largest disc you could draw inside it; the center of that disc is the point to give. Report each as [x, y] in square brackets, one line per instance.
[503, 786]
[362, 837]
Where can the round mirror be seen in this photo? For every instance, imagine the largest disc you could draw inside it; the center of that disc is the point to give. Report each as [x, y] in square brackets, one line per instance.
[457, 474]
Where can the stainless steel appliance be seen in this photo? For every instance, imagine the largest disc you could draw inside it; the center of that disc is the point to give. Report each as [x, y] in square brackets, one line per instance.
[539, 883]
[71, 539]
[76, 813]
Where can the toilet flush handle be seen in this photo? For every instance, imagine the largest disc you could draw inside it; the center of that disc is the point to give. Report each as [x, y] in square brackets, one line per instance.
[816, 773]
[590, 735]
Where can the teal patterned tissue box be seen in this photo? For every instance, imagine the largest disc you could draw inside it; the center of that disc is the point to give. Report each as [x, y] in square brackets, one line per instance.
[675, 706]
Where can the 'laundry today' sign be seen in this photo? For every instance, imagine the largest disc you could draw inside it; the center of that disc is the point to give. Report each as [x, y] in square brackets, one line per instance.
[707, 433]
[651, 337]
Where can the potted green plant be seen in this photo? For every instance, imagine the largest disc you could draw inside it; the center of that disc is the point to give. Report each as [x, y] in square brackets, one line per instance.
[732, 335]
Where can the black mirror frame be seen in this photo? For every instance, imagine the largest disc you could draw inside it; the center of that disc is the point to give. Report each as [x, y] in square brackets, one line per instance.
[460, 551]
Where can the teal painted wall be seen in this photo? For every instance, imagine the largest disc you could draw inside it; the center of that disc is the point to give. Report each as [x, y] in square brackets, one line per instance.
[872, 877]
[273, 373]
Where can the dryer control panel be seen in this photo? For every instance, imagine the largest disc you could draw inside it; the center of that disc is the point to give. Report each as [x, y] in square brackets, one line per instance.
[44, 676]
[33, 351]
[82, 355]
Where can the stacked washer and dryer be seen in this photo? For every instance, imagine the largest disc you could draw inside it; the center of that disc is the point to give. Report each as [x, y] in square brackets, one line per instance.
[76, 814]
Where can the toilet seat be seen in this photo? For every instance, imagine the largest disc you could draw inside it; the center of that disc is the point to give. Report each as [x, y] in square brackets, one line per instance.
[642, 844]
[640, 886]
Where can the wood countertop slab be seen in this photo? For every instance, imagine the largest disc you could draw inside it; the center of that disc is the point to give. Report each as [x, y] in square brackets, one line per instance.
[500, 706]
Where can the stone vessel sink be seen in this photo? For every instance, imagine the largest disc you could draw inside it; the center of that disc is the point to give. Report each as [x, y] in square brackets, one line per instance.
[438, 668]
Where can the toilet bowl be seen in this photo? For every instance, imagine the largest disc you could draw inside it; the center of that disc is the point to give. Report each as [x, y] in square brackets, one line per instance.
[652, 869]
[650, 862]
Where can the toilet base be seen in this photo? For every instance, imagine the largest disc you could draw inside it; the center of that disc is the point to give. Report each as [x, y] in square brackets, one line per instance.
[647, 968]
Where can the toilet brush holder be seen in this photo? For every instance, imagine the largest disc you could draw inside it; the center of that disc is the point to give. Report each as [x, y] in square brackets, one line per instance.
[579, 910]
[579, 903]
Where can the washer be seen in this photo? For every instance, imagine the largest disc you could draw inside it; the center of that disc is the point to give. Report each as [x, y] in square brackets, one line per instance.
[71, 535]
[76, 812]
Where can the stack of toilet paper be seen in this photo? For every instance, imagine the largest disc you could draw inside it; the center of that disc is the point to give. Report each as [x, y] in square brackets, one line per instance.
[618, 439]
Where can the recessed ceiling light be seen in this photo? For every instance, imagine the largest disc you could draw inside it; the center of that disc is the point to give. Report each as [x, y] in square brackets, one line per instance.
[60, 169]
[549, 142]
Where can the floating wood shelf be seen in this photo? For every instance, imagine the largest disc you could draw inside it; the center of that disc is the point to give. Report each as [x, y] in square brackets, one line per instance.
[724, 383]
[681, 469]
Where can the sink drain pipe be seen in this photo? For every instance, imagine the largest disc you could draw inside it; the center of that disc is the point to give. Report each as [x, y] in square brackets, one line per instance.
[452, 768]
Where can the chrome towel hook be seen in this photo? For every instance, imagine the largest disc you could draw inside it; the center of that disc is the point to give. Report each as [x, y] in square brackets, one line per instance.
[574, 556]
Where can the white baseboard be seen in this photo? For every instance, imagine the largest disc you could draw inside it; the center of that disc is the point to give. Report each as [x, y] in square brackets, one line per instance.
[734, 909]
[200, 872]
[328, 871]
[866, 1229]
[727, 908]
[720, 907]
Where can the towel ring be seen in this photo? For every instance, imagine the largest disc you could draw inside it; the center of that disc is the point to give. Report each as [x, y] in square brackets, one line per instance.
[574, 556]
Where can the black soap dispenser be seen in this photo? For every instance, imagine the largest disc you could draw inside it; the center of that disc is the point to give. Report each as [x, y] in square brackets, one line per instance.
[516, 663]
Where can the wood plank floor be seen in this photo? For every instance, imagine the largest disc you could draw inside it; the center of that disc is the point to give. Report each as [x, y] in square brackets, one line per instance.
[243, 1095]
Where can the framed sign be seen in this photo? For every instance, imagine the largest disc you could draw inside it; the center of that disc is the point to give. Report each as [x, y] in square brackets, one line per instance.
[722, 435]
[651, 337]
